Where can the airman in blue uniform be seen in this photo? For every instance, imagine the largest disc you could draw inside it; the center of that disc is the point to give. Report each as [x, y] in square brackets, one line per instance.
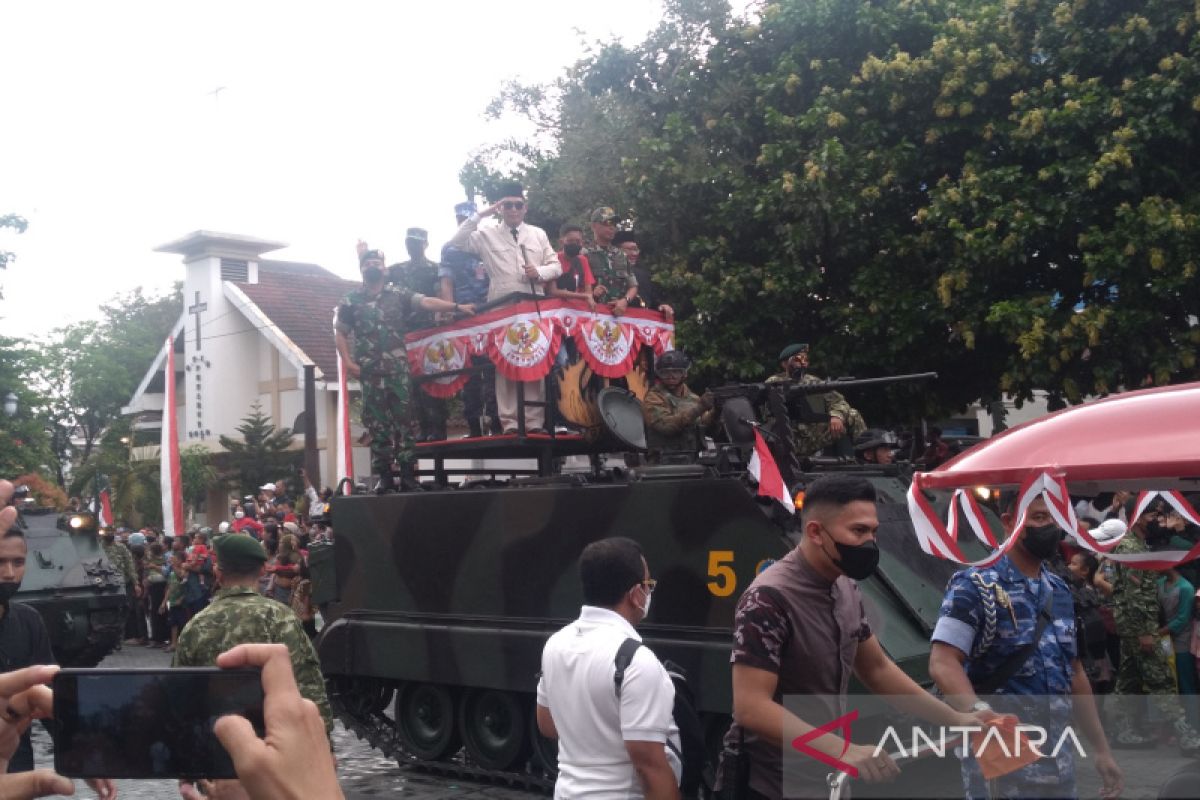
[988, 616]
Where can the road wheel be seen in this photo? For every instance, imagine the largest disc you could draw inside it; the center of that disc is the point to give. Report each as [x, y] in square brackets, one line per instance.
[425, 721]
[1182, 784]
[545, 751]
[368, 696]
[493, 726]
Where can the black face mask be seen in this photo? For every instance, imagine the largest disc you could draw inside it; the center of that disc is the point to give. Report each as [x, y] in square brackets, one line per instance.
[7, 590]
[572, 250]
[1157, 533]
[372, 274]
[857, 561]
[1042, 542]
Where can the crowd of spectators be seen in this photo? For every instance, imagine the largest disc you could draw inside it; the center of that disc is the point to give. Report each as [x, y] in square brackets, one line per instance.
[1096, 583]
[171, 578]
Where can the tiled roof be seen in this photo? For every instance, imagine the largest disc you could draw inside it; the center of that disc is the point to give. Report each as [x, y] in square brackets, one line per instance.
[300, 299]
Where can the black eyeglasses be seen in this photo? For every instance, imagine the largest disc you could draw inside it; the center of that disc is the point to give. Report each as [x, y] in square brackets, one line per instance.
[509, 205]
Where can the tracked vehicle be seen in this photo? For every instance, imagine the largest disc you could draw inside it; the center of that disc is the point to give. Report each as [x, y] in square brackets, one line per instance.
[71, 584]
[437, 603]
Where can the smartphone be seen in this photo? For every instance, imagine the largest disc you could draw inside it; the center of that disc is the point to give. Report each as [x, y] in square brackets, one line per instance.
[149, 723]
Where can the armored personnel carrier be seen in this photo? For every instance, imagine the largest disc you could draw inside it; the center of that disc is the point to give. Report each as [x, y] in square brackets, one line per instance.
[71, 584]
[437, 603]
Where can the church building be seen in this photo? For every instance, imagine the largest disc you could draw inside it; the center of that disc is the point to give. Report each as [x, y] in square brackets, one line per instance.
[253, 330]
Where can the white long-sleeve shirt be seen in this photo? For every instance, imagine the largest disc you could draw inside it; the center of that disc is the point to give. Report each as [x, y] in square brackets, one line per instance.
[502, 257]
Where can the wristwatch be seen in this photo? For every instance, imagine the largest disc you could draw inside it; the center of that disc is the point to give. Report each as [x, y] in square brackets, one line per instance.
[980, 705]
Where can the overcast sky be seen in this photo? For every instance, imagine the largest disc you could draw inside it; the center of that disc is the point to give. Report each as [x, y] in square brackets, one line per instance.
[333, 121]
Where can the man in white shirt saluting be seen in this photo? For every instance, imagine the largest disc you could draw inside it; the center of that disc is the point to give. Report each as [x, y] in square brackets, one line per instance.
[518, 258]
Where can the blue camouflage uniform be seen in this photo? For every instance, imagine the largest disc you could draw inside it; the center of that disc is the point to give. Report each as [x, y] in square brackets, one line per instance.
[1040, 691]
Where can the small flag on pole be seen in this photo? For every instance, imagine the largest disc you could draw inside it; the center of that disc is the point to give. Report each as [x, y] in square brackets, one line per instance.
[106, 515]
[766, 472]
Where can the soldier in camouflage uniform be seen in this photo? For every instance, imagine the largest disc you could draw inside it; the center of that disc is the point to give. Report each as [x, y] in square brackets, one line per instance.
[988, 616]
[675, 415]
[615, 281]
[238, 614]
[375, 318]
[122, 561]
[419, 275]
[811, 438]
[1145, 669]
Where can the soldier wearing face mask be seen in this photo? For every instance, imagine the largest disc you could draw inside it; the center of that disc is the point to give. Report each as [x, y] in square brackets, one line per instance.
[1007, 633]
[800, 632]
[1145, 668]
[369, 333]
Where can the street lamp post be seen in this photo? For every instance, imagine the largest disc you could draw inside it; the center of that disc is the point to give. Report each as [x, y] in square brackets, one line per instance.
[10, 405]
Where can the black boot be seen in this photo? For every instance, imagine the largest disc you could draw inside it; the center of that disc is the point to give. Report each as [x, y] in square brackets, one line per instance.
[474, 428]
[387, 482]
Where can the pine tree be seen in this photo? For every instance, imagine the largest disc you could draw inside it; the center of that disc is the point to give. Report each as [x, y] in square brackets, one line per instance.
[263, 454]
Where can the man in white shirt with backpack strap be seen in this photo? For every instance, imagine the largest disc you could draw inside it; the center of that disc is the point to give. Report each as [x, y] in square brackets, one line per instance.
[616, 736]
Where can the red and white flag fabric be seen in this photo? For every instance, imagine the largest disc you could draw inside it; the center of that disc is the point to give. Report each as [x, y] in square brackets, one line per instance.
[764, 469]
[106, 515]
[169, 476]
[345, 447]
[941, 540]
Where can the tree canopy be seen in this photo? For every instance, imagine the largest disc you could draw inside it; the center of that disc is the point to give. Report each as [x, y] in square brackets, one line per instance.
[1001, 190]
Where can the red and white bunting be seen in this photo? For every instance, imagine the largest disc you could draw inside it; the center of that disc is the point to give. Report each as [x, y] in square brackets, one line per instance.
[106, 515]
[941, 539]
[170, 479]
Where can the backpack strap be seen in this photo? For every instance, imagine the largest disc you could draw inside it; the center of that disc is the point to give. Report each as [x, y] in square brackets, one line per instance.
[1018, 658]
[622, 661]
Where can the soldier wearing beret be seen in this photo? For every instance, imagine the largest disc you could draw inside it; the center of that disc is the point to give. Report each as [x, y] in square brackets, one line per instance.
[811, 438]
[615, 281]
[420, 276]
[238, 614]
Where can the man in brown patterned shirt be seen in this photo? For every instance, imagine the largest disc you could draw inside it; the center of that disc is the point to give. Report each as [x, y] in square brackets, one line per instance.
[800, 632]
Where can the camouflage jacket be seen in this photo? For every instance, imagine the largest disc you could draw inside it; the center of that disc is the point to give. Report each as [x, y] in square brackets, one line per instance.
[835, 403]
[377, 322]
[674, 418]
[418, 278]
[122, 561]
[1135, 593]
[240, 615]
[611, 270]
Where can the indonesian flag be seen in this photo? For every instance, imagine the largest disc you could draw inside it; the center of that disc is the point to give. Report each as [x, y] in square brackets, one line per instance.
[169, 477]
[345, 447]
[106, 517]
[766, 472]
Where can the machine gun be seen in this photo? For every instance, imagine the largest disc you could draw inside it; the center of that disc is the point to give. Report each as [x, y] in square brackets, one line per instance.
[795, 389]
[786, 401]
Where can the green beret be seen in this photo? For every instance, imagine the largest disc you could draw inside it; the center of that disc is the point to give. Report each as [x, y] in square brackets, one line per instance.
[791, 350]
[239, 551]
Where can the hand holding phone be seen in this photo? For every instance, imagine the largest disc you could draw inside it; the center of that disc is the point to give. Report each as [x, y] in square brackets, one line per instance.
[288, 764]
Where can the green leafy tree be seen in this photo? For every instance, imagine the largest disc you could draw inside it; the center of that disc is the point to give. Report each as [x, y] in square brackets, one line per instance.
[197, 474]
[262, 455]
[87, 371]
[24, 441]
[1001, 190]
[14, 222]
[133, 486]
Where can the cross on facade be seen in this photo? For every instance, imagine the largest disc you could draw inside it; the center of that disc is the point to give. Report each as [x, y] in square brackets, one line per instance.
[195, 311]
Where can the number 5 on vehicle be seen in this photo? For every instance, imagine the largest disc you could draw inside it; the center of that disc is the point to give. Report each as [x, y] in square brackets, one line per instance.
[723, 580]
